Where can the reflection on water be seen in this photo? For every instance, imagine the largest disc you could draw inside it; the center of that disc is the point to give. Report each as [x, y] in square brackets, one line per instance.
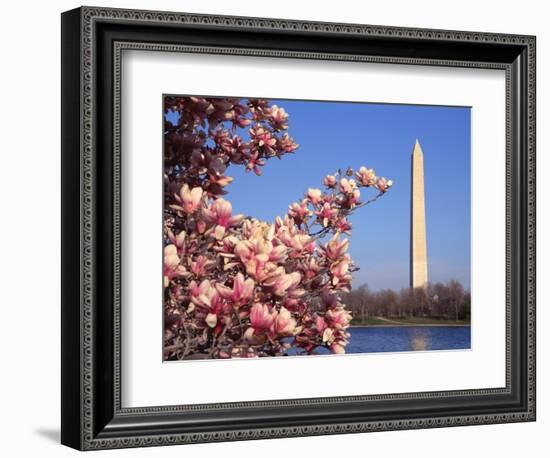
[419, 340]
[408, 338]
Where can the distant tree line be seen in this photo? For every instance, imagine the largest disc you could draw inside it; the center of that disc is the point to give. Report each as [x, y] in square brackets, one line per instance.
[445, 301]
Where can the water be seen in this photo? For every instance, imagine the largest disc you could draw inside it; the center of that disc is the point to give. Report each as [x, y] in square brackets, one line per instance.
[408, 338]
[377, 339]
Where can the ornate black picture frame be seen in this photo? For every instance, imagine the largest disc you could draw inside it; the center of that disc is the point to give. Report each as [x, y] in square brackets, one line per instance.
[92, 42]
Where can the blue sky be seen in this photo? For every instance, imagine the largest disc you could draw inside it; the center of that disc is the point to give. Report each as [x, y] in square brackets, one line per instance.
[336, 135]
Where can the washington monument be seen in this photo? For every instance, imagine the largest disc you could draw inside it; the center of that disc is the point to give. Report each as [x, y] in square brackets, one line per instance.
[419, 257]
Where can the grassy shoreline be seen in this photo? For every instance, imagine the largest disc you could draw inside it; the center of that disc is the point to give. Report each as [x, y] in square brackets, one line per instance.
[387, 322]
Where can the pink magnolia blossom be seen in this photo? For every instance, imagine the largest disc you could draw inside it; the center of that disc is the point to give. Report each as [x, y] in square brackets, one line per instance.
[347, 186]
[262, 138]
[383, 185]
[220, 136]
[238, 120]
[330, 181]
[265, 248]
[299, 211]
[189, 199]
[241, 293]
[350, 192]
[326, 214]
[343, 225]
[202, 294]
[258, 266]
[320, 324]
[339, 271]
[335, 248]
[207, 297]
[261, 318]
[353, 199]
[172, 266]
[285, 145]
[282, 282]
[201, 265]
[254, 162]
[259, 108]
[328, 336]
[278, 118]
[310, 269]
[338, 318]
[235, 147]
[314, 195]
[366, 177]
[219, 179]
[299, 244]
[178, 241]
[219, 214]
[284, 324]
[258, 254]
[211, 320]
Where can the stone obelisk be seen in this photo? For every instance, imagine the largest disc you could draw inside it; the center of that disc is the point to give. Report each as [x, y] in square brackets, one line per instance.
[419, 256]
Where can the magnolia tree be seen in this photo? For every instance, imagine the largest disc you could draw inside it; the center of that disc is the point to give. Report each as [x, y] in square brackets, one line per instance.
[235, 286]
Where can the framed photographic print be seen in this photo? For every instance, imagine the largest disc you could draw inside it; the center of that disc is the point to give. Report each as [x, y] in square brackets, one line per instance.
[276, 228]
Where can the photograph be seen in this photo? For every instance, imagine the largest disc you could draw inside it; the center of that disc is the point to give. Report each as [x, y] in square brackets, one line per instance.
[314, 227]
[282, 223]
